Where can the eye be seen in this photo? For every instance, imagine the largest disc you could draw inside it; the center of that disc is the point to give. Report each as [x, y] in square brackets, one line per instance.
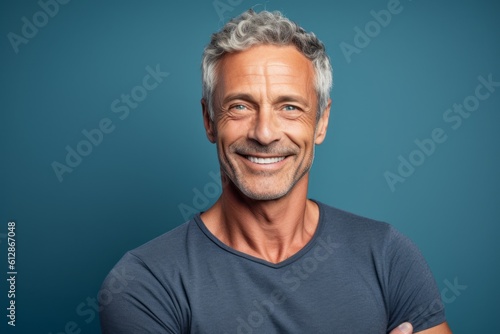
[238, 107]
[289, 107]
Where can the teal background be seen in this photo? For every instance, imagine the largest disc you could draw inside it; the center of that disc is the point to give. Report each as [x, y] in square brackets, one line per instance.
[131, 187]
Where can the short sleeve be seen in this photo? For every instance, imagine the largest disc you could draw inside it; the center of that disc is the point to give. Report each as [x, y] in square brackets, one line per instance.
[413, 293]
[131, 300]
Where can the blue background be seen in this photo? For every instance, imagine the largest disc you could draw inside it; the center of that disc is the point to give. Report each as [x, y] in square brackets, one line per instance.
[132, 186]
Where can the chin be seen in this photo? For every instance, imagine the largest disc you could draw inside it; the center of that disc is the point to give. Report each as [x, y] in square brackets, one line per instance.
[259, 196]
[258, 193]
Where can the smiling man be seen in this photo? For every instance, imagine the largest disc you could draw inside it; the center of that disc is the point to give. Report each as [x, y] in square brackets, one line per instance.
[265, 258]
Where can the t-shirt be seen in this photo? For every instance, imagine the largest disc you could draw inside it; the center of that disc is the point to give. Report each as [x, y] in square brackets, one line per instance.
[355, 275]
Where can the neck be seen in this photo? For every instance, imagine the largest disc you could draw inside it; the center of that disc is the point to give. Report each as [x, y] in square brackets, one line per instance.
[272, 230]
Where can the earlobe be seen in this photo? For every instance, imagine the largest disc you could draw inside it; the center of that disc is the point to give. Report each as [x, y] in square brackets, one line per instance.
[322, 125]
[207, 121]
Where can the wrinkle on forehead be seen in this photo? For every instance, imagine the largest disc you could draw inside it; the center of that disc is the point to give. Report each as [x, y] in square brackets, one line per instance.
[267, 68]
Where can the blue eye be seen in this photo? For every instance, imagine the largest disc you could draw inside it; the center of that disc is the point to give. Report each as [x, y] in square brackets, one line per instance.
[239, 107]
[289, 108]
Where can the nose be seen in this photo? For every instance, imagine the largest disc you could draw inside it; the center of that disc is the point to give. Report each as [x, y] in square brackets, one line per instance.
[266, 127]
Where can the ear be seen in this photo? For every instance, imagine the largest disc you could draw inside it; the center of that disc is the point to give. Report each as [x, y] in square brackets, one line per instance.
[208, 122]
[322, 125]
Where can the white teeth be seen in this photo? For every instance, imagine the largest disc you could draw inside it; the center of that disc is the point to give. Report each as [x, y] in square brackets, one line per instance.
[265, 160]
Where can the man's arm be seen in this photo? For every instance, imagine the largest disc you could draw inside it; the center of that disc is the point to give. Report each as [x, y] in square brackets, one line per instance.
[407, 328]
[439, 329]
[413, 293]
[137, 302]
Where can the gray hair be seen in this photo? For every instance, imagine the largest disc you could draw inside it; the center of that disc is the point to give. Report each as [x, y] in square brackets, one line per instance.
[250, 29]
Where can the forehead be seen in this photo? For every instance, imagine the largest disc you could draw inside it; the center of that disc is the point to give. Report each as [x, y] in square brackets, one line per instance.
[266, 64]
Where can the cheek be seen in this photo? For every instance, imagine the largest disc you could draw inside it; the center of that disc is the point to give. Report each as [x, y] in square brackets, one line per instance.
[226, 135]
[301, 133]
[229, 131]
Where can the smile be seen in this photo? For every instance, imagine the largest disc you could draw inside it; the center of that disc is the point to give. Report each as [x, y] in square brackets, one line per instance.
[265, 161]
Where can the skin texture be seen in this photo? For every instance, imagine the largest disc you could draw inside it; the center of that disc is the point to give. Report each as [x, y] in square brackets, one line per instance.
[266, 111]
[266, 108]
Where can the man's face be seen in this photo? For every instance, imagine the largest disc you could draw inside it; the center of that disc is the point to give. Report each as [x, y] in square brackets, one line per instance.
[265, 124]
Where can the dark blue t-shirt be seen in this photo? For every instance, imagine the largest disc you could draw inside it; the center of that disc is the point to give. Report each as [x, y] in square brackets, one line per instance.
[356, 275]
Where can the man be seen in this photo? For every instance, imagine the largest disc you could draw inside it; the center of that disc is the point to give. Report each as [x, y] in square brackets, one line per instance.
[264, 258]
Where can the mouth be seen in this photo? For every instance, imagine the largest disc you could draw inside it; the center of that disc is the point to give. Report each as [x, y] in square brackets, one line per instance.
[264, 161]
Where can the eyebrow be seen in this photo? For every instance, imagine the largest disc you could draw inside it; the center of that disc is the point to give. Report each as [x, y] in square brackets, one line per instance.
[239, 96]
[292, 98]
[280, 99]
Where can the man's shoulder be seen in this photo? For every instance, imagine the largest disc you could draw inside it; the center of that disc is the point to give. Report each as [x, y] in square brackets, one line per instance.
[170, 245]
[163, 252]
[169, 239]
[345, 222]
[143, 282]
[363, 234]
